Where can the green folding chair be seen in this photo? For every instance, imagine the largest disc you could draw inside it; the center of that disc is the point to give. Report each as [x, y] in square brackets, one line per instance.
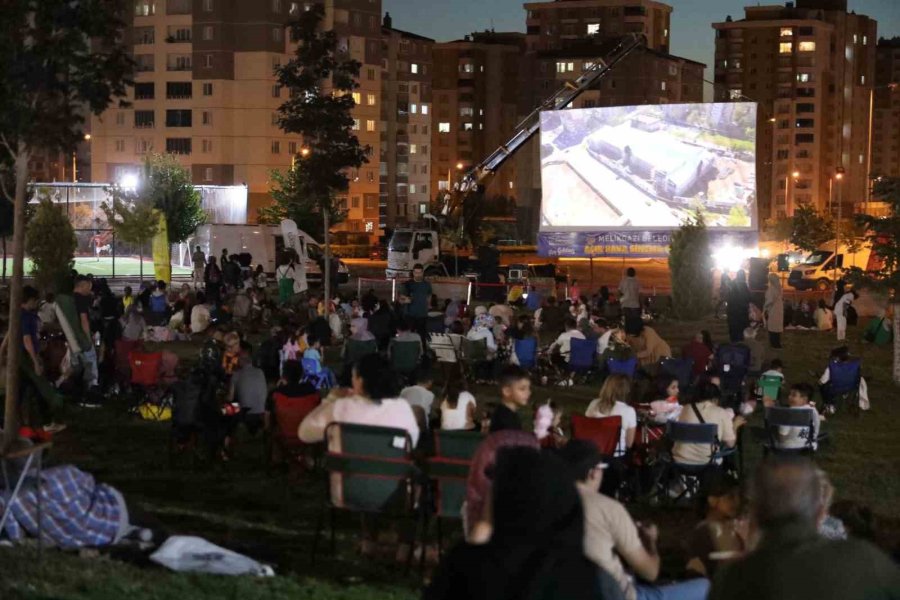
[405, 357]
[473, 353]
[370, 471]
[448, 469]
[769, 386]
[357, 349]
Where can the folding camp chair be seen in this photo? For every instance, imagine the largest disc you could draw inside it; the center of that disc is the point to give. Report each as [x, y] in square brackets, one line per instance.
[691, 475]
[357, 349]
[843, 384]
[370, 471]
[317, 375]
[582, 357]
[435, 324]
[448, 469]
[526, 352]
[622, 366]
[680, 369]
[32, 456]
[734, 362]
[769, 386]
[474, 354]
[604, 432]
[123, 350]
[782, 416]
[288, 413]
[148, 399]
[405, 357]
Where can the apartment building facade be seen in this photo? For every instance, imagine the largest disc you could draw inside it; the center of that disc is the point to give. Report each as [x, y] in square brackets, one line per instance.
[206, 91]
[406, 110]
[566, 38]
[810, 67]
[476, 88]
[886, 118]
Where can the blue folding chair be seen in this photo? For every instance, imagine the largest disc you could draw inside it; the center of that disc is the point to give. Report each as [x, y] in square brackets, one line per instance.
[624, 366]
[691, 475]
[313, 372]
[582, 356]
[526, 352]
[678, 368]
[843, 384]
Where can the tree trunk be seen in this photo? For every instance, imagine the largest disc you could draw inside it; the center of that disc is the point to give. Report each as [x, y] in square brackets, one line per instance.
[141, 261]
[326, 267]
[4, 258]
[896, 329]
[14, 347]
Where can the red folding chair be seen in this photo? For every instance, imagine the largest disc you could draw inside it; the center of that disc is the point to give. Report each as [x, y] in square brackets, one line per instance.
[288, 414]
[123, 351]
[605, 432]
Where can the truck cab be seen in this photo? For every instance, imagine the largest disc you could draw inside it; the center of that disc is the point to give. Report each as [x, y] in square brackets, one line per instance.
[409, 247]
[819, 269]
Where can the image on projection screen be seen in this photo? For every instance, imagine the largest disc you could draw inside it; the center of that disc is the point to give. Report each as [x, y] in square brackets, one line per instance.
[648, 166]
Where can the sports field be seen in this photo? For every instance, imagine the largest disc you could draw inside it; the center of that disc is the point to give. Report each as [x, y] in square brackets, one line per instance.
[126, 266]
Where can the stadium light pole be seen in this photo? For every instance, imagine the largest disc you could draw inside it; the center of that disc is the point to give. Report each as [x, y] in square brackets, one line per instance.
[838, 177]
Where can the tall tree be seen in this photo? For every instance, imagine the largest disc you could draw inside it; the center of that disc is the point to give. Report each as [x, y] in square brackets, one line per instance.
[690, 265]
[167, 185]
[809, 229]
[303, 210]
[320, 81]
[51, 244]
[60, 58]
[133, 217]
[883, 233]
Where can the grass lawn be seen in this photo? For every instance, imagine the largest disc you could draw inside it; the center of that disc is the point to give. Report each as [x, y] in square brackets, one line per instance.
[271, 516]
[126, 266]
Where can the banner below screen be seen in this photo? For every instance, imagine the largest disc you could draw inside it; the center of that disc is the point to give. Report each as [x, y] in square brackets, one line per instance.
[626, 244]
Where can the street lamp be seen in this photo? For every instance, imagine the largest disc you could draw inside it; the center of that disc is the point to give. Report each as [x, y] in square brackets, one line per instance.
[788, 200]
[890, 86]
[838, 176]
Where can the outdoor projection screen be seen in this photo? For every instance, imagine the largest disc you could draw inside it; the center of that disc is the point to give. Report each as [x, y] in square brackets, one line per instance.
[616, 181]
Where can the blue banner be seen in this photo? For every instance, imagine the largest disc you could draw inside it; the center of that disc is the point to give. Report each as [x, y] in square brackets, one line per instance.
[625, 244]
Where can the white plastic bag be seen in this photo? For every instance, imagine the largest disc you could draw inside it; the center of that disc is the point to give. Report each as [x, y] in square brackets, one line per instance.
[193, 554]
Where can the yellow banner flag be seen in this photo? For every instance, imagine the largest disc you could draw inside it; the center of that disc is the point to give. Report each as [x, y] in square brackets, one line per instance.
[162, 262]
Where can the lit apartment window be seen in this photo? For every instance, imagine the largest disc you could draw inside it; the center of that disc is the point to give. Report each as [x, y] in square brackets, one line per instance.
[803, 77]
[144, 8]
[785, 47]
[208, 174]
[444, 127]
[413, 108]
[593, 28]
[735, 94]
[467, 127]
[412, 188]
[208, 32]
[424, 112]
[862, 80]
[855, 38]
[560, 67]
[413, 68]
[865, 40]
[466, 111]
[357, 98]
[370, 99]
[467, 68]
[423, 208]
[807, 47]
[276, 147]
[355, 124]
[413, 149]
[370, 125]
[208, 5]
[442, 185]
[787, 32]
[207, 89]
[662, 85]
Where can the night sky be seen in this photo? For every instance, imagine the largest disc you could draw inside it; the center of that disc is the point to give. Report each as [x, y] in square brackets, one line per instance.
[692, 36]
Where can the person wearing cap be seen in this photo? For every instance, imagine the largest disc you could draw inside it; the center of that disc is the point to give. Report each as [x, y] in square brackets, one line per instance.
[611, 537]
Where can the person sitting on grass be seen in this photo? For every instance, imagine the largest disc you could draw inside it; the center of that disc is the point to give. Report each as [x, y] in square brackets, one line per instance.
[823, 317]
[515, 392]
[458, 407]
[611, 536]
[798, 438]
[721, 535]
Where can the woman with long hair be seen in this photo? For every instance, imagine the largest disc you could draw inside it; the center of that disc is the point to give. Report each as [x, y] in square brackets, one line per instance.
[613, 402]
[774, 310]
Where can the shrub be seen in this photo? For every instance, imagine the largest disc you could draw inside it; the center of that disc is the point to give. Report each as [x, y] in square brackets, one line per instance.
[50, 243]
[690, 266]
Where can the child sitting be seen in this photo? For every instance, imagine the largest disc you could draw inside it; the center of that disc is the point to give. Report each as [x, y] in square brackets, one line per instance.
[721, 535]
[798, 438]
[314, 352]
[667, 409]
[231, 356]
[547, 419]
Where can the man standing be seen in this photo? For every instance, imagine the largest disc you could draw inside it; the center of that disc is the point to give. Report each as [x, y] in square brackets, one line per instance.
[72, 311]
[791, 559]
[630, 299]
[416, 298]
[199, 260]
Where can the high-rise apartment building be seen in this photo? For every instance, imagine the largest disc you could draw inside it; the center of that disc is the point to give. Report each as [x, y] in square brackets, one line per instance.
[406, 105]
[568, 37]
[886, 118]
[476, 88]
[205, 90]
[810, 68]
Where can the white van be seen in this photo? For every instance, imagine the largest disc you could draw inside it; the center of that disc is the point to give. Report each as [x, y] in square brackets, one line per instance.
[820, 268]
[265, 244]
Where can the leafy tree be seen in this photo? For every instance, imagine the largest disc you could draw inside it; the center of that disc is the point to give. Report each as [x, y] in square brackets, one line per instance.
[690, 265]
[304, 210]
[133, 217]
[809, 229]
[883, 233]
[320, 81]
[61, 60]
[51, 244]
[168, 187]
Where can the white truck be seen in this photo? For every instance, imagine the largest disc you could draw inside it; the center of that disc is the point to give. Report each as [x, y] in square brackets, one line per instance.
[819, 269]
[265, 244]
[409, 247]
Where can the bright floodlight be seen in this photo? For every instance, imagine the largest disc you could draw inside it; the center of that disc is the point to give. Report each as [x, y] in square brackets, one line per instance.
[728, 258]
[129, 181]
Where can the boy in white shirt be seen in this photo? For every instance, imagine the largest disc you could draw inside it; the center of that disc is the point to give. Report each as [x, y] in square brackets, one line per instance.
[564, 342]
[796, 438]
